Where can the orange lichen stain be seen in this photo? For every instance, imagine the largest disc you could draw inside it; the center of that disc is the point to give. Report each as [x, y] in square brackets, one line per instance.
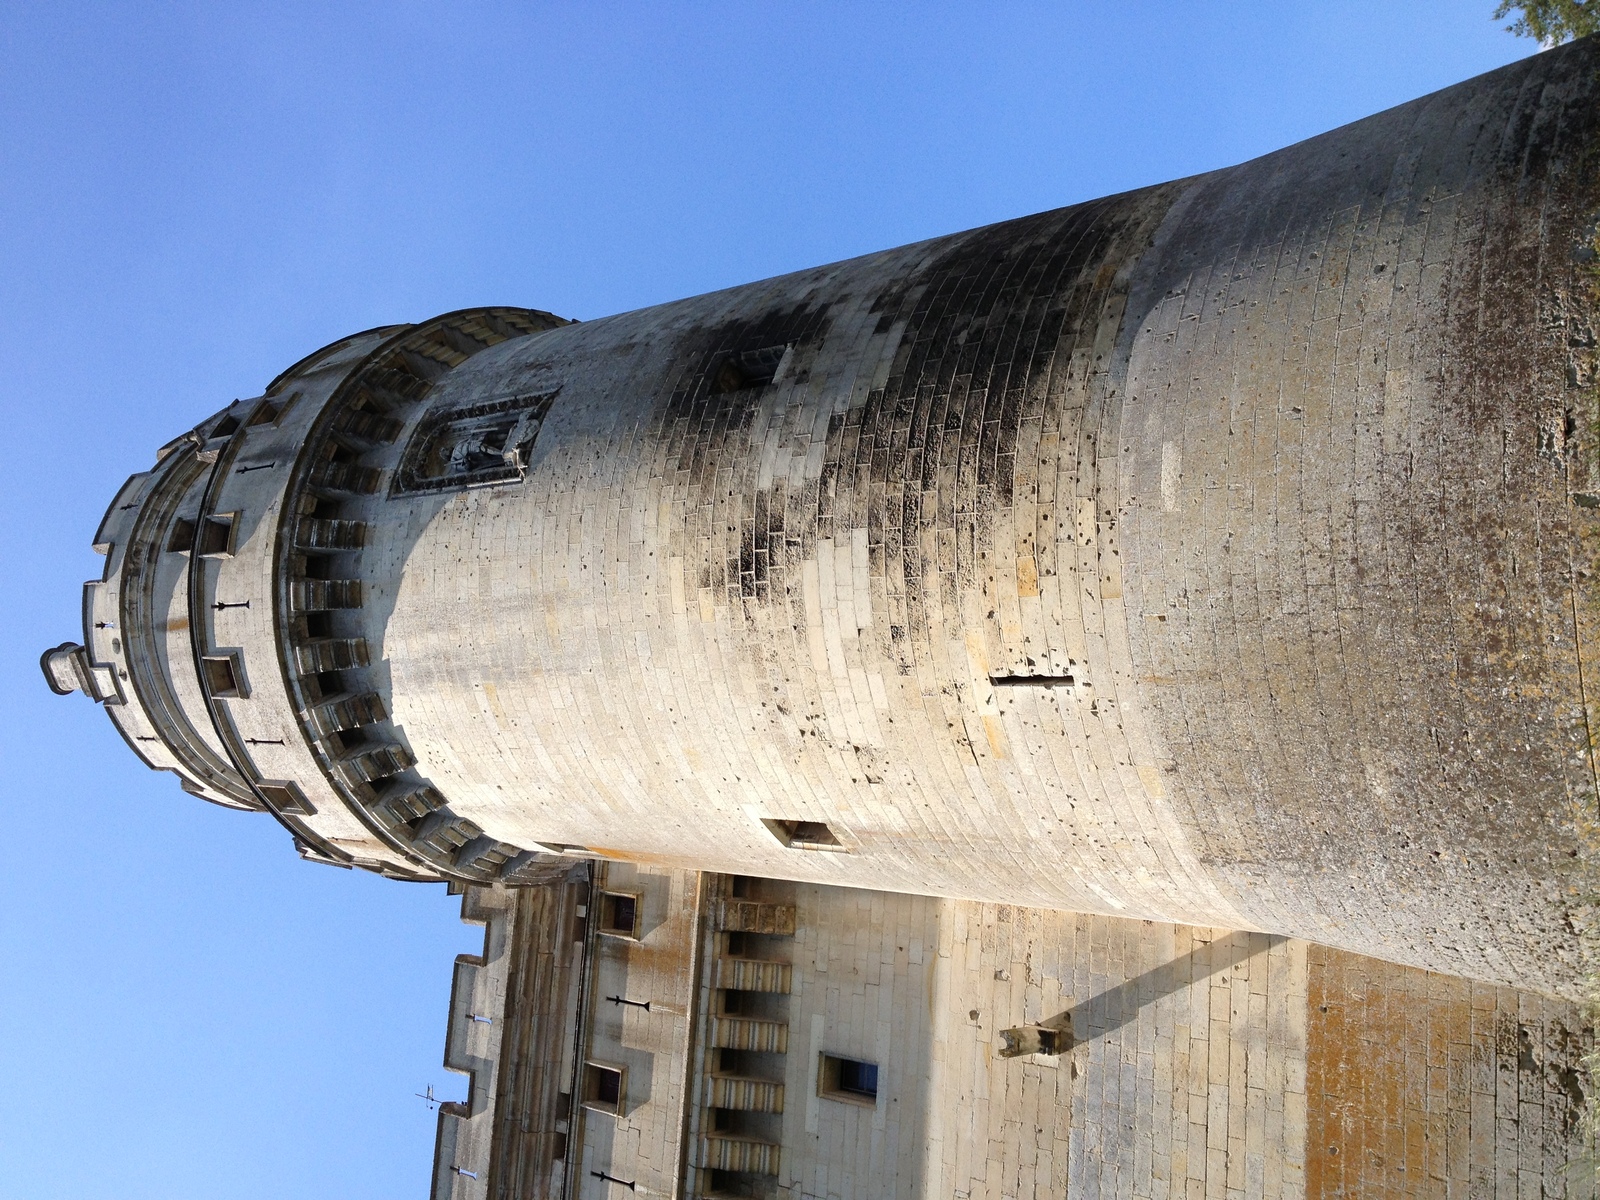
[995, 732]
[177, 624]
[1027, 577]
[1405, 1070]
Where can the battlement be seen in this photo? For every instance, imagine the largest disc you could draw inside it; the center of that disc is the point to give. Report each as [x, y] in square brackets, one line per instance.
[472, 1047]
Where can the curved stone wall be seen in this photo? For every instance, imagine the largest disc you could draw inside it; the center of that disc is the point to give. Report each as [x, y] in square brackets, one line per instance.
[1208, 553]
[1218, 553]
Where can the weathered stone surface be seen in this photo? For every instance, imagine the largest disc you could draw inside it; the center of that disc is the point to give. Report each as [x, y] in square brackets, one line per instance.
[1204, 1062]
[1216, 553]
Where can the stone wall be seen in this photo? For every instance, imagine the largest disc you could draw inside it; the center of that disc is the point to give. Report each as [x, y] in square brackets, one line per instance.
[1205, 1062]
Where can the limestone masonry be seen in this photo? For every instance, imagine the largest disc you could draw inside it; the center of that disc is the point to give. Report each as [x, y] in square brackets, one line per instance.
[1202, 571]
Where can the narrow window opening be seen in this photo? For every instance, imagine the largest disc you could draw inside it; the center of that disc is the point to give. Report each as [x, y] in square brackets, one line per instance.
[226, 427]
[743, 887]
[222, 675]
[558, 1146]
[847, 1079]
[216, 537]
[319, 625]
[619, 913]
[317, 566]
[1062, 680]
[603, 1087]
[182, 536]
[804, 835]
[265, 414]
[858, 1078]
[747, 369]
[287, 798]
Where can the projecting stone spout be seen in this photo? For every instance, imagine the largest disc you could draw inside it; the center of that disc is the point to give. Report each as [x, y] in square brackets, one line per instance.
[1219, 552]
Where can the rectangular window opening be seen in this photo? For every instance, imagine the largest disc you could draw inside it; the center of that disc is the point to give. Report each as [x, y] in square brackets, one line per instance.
[603, 1087]
[747, 369]
[222, 675]
[265, 414]
[216, 537]
[619, 913]
[847, 1079]
[182, 537]
[287, 798]
[804, 835]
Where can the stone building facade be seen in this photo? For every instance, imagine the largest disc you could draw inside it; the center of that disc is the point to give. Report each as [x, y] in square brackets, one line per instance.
[1204, 569]
[1189, 1062]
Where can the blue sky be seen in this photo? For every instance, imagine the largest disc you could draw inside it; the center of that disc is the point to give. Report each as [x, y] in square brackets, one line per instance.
[194, 196]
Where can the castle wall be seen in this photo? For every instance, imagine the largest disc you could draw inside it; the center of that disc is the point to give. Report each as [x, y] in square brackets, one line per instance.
[1204, 1062]
[643, 1142]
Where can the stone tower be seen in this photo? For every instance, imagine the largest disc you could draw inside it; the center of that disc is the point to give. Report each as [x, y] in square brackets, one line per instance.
[1219, 552]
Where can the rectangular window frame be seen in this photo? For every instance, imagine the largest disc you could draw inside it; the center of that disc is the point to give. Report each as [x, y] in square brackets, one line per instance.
[806, 835]
[286, 796]
[596, 1075]
[223, 675]
[604, 923]
[834, 1070]
[180, 539]
[215, 535]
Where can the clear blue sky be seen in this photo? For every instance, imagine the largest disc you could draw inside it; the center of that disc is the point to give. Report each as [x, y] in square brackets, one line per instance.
[194, 196]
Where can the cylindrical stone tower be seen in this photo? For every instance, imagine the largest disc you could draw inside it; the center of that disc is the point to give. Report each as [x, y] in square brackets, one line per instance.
[1220, 552]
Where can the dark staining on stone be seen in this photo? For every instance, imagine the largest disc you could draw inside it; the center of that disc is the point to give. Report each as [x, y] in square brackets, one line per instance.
[987, 328]
[720, 383]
